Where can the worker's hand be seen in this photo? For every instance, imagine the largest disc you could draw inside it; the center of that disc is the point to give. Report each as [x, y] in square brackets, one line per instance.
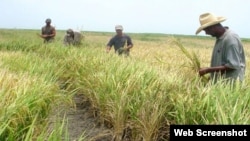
[45, 36]
[126, 48]
[108, 49]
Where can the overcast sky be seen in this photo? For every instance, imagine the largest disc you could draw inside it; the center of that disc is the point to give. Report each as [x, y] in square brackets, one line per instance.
[137, 16]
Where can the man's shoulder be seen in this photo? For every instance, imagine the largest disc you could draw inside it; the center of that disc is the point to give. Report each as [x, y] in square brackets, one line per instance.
[118, 37]
[52, 27]
[77, 33]
[231, 35]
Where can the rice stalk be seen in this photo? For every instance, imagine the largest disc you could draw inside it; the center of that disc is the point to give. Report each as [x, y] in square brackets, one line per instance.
[193, 58]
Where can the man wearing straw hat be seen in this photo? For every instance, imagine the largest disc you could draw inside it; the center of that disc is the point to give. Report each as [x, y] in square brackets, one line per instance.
[228, 57]
[119, 41]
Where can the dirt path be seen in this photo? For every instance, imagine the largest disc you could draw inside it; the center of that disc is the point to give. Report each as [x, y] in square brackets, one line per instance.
[81, 120]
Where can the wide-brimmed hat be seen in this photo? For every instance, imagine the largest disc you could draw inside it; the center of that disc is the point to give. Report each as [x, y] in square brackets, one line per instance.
[208, 19]
[118, 27]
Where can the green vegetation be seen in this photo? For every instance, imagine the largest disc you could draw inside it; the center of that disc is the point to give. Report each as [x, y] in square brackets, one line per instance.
[143, 94]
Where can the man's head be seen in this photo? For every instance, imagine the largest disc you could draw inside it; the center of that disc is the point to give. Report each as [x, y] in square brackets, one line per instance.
[208, 21]
[119, 29]
[70, 32]
[48, 21]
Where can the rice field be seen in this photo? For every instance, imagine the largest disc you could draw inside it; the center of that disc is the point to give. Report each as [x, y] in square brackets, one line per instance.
[136, 97]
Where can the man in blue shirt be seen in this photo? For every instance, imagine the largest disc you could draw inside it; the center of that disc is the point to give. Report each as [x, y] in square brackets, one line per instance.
[228, 57]
[119, 41]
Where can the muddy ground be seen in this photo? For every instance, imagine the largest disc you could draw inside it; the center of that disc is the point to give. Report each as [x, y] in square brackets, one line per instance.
[81, 121]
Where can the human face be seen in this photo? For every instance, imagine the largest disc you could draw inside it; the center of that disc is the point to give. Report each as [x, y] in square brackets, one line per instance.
[48, 23]
[118, 32]
[210, 31]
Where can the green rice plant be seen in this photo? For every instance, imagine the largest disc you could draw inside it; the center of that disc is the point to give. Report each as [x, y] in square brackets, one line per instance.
[212, 104]
[20, 100]
[31, 130]
[151, 111]
[23, 95]
[121, 91]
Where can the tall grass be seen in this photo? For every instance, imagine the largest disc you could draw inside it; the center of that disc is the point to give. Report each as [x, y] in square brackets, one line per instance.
[24, 99]
[137, 97]
[123, 93]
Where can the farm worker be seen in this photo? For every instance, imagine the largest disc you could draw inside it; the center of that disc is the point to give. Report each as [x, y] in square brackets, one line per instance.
[72, 38]
[228, 57]
[119, 41]
[48, 31]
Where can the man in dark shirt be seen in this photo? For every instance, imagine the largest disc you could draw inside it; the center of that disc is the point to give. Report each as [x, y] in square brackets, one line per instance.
[48, 32]
[119, 41]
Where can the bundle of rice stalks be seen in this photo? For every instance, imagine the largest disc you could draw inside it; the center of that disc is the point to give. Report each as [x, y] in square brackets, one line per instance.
[123, 50]
[193, 58]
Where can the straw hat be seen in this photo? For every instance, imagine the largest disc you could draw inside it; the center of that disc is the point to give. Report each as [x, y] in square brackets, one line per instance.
[208, 19]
